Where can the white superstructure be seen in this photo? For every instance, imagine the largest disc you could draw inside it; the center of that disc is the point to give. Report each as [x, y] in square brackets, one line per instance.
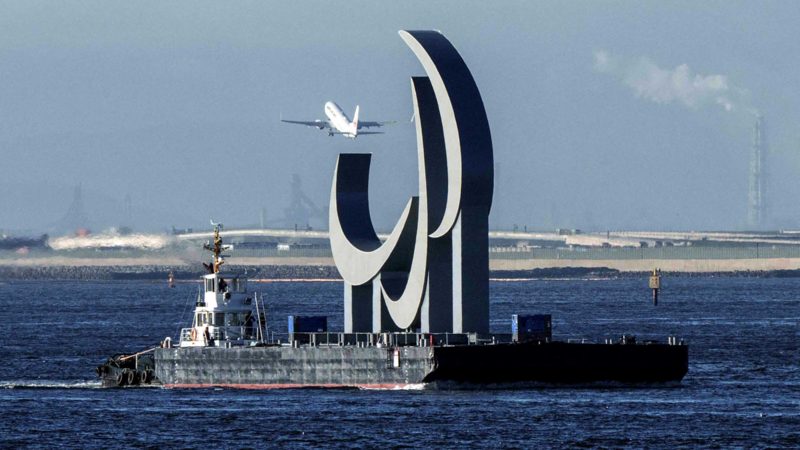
[225, 314]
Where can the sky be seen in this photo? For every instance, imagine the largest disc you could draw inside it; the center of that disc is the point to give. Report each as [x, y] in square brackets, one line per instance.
[604, 115]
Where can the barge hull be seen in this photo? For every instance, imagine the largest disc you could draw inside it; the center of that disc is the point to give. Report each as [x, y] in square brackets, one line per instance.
[561, 362]
[285, 367]
[291, 367]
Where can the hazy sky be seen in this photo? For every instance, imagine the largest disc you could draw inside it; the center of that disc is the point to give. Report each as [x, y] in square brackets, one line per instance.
[604, 115]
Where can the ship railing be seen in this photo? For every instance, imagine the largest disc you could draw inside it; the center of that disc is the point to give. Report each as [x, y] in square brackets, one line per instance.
[233, 333]
[186, 335]
[394, 339]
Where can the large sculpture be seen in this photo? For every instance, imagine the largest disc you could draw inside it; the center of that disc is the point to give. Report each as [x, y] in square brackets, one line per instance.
[432, 272]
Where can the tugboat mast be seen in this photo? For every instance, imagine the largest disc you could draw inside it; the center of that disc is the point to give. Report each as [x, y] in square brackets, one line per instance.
[216, 249]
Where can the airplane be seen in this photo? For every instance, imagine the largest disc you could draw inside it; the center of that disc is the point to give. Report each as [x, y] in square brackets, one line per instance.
[339, 123]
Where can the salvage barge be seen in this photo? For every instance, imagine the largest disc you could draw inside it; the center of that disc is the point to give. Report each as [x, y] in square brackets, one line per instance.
[227, 346]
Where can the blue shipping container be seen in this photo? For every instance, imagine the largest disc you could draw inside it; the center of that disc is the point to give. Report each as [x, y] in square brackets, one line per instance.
[531, 327]
[308, 324]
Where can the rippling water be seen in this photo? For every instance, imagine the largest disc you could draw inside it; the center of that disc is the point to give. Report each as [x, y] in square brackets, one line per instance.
[742, 389]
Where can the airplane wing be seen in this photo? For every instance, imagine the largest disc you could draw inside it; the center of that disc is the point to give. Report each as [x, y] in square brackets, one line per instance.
[321, 124]
[367, 124]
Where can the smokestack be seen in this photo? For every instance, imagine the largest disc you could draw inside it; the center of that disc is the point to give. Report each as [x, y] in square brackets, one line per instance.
[75, 217]
[756, 206]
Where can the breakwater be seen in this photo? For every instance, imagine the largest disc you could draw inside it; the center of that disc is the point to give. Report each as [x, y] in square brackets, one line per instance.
[160, 272]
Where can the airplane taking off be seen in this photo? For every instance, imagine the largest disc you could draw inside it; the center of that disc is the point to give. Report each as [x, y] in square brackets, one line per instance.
[338, 123]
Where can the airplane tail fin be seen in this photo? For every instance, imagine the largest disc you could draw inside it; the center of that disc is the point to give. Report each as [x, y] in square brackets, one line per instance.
[355, 121]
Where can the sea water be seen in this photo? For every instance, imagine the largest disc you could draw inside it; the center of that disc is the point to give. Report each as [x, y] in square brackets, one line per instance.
[742, 389]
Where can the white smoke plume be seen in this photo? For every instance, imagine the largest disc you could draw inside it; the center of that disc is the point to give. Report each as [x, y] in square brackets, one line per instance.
[678, 85]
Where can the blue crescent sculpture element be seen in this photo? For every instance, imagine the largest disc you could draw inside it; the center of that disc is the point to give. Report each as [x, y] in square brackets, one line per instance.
[403, 308]
[358, 252]
[464, 122]
[432, 270]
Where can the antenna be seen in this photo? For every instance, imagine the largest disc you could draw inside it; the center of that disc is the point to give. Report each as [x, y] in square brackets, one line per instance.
[756, 208]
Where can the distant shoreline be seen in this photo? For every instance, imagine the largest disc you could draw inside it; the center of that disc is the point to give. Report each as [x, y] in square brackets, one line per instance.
[321, 273]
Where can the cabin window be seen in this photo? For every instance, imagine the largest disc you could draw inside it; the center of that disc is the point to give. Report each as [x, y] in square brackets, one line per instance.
[219, 319]
[235, 319]
[239, 285]
[202, 319]
[209, 285]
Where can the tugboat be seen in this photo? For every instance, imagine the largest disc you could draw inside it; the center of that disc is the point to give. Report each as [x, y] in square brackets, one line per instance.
[225, 316]
[226, 346]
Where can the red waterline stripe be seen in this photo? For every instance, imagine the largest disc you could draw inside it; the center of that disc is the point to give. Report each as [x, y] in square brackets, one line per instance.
[284, 386]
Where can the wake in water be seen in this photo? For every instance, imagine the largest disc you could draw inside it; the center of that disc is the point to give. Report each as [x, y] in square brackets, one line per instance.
[404, 387]
[49, 384]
